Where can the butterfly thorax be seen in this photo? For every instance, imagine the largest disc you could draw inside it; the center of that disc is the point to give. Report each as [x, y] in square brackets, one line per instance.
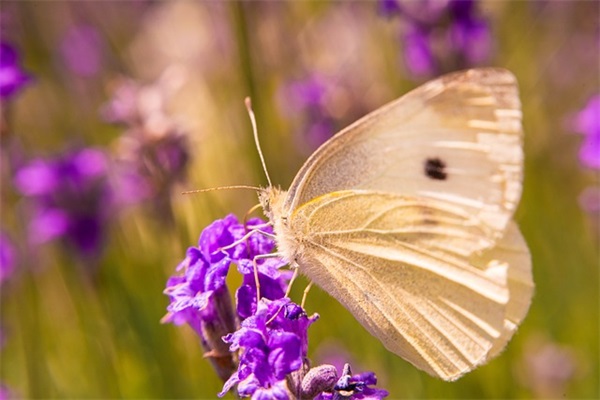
[272, 201]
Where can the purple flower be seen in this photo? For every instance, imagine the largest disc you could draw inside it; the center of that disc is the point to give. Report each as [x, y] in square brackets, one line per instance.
[547, 367]
[5, 392]
[273, 344]
[200, 296]
[418, 54]
[12, 77]
[587, 122]
[356, 386]
[470, 34]
[81, 50]
[441, 36]
[308, 99]
[153, 151]
[7, 258]
[388, 8]
[71, 198]
[424, 12]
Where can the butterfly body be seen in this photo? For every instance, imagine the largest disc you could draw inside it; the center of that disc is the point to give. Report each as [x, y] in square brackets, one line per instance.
[405, 218]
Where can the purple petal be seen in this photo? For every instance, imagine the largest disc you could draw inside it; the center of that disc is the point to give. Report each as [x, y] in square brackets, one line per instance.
[388, 8]
[417, 52]
[229, 384]
[7, 258]
[245, 301]
[86, 232]
[589, 153]
[462, 9]
[49, 224]
[278, 391]
[216, 236]
[36, 179]
[285, 353]
[81, 49]
[587, 120]
[216, 274]
[196, 269]
[90, 162]
[368, 378]
[473, 39]
[12, 77]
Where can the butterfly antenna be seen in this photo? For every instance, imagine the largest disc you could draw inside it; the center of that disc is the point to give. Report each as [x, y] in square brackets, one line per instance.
[221, 188]
[255, 131]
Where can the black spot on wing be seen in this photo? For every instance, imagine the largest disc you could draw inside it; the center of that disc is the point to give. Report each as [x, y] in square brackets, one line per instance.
[435, 169]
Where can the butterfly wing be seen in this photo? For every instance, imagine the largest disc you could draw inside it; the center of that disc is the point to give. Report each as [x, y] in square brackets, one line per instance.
[456, 139]
[419, 274]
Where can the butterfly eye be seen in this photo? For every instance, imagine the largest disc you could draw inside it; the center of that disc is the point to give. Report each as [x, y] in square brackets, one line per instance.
[435, 169]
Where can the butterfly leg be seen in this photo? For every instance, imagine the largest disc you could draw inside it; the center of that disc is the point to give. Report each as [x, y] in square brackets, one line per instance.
[289, 288]
[305, 294]
[255, 269]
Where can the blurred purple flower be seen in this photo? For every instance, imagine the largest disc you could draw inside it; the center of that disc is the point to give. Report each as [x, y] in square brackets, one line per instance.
[425, 12]
[12, 77]
[440, 36]
[388, 8]
[307, 99]
[333, 353]
[418, 54]
[153, 151]
[587, 122]
[81, 50]
[7, 258]
[469, 35]
[5, 392]
[72, 199]
[548, 367]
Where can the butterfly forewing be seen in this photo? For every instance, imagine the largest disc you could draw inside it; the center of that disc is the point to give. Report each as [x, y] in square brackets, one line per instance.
[457, 139]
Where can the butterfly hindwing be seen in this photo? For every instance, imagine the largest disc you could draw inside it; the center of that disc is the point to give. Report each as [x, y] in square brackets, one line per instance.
[419, 274]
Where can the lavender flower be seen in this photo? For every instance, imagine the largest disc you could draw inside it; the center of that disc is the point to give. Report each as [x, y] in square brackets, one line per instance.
[548, 367]
[388, 8]
[12, 77]
[7, 258]
[307, 98]
[274, 344]
[81, 50]
[153, 152]
[5, 392]
[587, 122]
[354, 387]
[200, 297]
[72, 199]
[440, 36]
[266, 358]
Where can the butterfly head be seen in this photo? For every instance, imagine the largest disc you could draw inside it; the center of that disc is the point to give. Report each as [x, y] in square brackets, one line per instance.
[271, 200]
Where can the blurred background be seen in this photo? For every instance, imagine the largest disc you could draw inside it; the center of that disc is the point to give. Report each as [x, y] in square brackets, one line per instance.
[111, 109]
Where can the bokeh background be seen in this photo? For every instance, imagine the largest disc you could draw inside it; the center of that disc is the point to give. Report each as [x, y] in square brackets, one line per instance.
[111, 109]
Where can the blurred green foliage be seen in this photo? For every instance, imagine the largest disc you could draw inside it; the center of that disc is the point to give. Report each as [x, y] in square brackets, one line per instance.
[69, 334]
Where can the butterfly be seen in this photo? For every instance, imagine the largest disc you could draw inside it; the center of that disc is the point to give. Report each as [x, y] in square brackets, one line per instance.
[405, 217]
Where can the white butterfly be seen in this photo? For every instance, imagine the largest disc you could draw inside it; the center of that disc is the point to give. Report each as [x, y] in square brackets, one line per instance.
[405, 218]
